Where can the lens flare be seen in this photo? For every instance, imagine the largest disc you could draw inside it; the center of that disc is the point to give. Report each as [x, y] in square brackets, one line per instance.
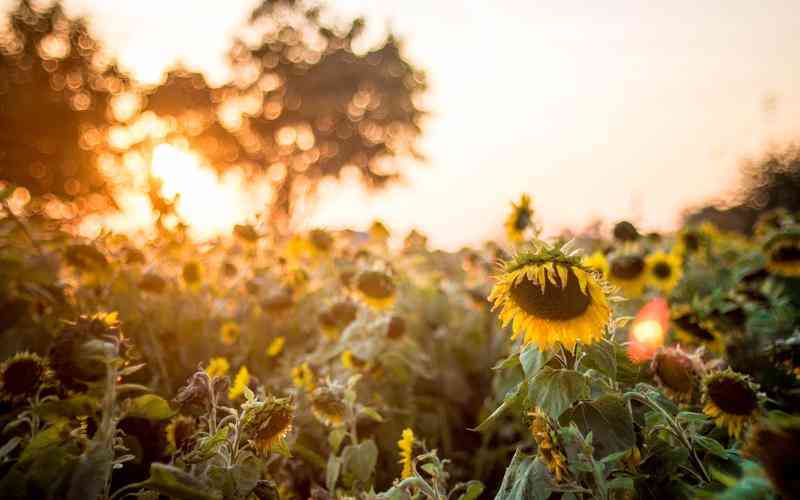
[648, 330]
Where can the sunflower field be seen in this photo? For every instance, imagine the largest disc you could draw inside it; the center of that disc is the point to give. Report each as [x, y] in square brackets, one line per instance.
[367, 365]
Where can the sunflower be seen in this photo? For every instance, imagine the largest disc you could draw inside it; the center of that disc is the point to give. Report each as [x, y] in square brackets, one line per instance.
[22, 375]
[379, 232]
[278, 301]
[694, 331]
[783, 253]
[732, 400]
[351, 362]
[628, 272]
[193, 274]
[775, 443]
[241, 381]
[266, 423]
[275, 347]
[626, 232]
[152, 283]
[549, 452]
[406, 446]
[336, 318]
[376, 289]
[771, 221]
[303, 377]
[246, 232]
[691, 242]
[520, 218]
[677, 372]
[180, 433]
[218, 367]
[229, 332]
[551, 297]
[596, 262]
[320, 242]
[664, 270]
[327, 405]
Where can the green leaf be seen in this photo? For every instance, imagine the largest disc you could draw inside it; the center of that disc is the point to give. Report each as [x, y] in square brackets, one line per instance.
[513, 397]
[237, 481]
[150, 407]
[372, 413]
[510, 362]
[177, 484]
[92, 473]
[554, 390]
[473, 490]
[532, 359]
[601, 356]
[360, 460]
[609, 421]
[710, 445]
[332, 472]
[207, 447]
[526, 478]
[45, 440]
[67, 408]
[335, 438]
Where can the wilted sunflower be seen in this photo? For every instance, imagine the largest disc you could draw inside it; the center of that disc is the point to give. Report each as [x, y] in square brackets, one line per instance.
[327, 405]
[240, 382]
[694, 331]
[628, 272]
[303, 377]
[783, 253]
[218, 367]
[193, 274]
[229, 332]
[406, 446]
[266, 423]
[376, 289]
[677, 372]
[664, 270]
[596, 262]
[275, 347]
[551, 297]
[731, 399]
[549, 452]
[336, 318]
[180, 433]
[775, 443]
[520, 218]
[21, 377]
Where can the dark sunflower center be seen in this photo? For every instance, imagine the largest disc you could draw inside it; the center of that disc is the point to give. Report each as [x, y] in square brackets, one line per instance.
[22, 377]
[786, 253]
[278, 423]
[625, 231]
[691, 241]
[522, 220]
[375, 284]
[555, 303]
[733, 396]
[627, 267]
[662, 270]
[692, 327]
[675, 372]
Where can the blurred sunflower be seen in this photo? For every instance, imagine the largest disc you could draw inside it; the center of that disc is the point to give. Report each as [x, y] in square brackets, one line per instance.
[152, 283]
[266, 423]
[549, 452]
[596, 262]
[376, 289]
[320, 242]
[732, 400]
[351, 362]
[303, 377]
[180, 433]
[625, 232]
[406, 446]
[229, 332]
[327, 405]
[241, 381]
[21, 377]
[336, 318]
[379, 232]
[551, 298]
[246, 232]
[664, 270]
[520, 218]
[771, 221]
[782, 250]
[694, 331]
[275, 348]
[775, 443]
[691, 242]
[677, 372]
[628, 272]
[218, 367]
[193, 274]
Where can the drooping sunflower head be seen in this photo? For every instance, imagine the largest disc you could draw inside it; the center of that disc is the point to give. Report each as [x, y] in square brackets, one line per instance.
[21, 377]
[520, 219]
[192, 274]
[406, 446]
[731, 399]
[664, 270]
[692, 330]
[229, 332]
[783, 253]
[337, 317]
[677, 372]
[625, 232]
[180, 433]
[327, 405]
[550, 297]
[549, 451]
[597, 262]
[775, 443]
[628, 271]
[376, 289]
[266, 423]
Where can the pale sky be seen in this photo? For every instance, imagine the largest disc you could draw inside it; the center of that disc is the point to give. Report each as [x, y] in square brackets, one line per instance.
[613, 109]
